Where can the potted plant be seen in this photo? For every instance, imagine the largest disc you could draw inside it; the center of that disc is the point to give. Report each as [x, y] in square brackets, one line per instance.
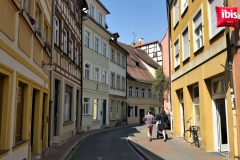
[47, 46]
[37, 30]
[31, 19]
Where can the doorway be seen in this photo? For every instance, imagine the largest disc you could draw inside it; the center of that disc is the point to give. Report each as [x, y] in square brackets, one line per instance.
[32, 118]
[221, 123]
[182, 117]
[55, 114]
[142, 115]
[104, 104]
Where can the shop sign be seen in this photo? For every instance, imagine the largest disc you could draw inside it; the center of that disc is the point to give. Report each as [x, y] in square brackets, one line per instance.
[227, 16]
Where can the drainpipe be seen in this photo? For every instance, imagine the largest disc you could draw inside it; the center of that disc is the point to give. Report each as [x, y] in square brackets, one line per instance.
[51, 80]
[234, 113]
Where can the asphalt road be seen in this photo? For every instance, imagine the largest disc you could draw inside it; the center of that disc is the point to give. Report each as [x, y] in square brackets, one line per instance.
[108, 145]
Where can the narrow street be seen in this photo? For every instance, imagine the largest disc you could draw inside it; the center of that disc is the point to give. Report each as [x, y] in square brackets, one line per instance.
[113, 144]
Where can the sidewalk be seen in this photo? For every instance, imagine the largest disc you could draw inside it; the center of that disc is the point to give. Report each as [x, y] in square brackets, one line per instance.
[175, 148]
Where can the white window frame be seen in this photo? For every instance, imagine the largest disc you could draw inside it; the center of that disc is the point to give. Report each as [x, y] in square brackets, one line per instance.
[118, 82]
[136, 91]
[77, 56]
[175, 12]
[113, 80]
[132, 111]
[25, 4]
[56, 31]
[149, 93]
[130, 91]
[184, 5]
[118, 58]
[176, 53]
[100, 18]
[104, 49]
[105, 76]
[123, 62]
[213, 29]
[197, 24]
[71, 50]
[185, 45]
[37, 17]
[92, 10]
[113, 51]
[143, 93]
[97, 42]
[97, 72]
[89, 38]
[71, 5]
[90, 70]
[123, 83]
[86, 106]
[65, 45]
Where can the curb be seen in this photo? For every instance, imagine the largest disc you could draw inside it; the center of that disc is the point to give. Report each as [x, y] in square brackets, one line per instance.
[141, 152]
[68, 154]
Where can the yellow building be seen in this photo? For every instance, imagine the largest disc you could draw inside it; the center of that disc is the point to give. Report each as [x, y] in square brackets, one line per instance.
[140, 74]
[24, 82]
[200, 83]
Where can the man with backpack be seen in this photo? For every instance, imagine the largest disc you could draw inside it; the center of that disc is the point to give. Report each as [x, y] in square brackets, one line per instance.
[149, 123]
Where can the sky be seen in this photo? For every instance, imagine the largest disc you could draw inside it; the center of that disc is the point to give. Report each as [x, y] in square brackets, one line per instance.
[146, 18]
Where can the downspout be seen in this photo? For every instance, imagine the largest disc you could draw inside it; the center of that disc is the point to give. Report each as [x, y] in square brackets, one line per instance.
[81, 73]
[51, 80]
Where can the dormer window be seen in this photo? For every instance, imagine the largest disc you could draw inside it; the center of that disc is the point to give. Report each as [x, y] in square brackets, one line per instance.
[71, 5]
[100, 17]
[92, 10]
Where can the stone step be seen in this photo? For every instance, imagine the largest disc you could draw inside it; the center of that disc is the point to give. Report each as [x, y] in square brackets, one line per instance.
[58, 143]
[36, 156]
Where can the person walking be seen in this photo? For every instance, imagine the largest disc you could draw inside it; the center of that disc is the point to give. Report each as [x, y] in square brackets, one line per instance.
[149, 123]
[163, 122]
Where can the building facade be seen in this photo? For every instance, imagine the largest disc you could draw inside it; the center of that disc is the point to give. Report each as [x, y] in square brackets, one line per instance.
[140, 74]
[67, 73]
[200, 83]
[25, 33]
[117, 91]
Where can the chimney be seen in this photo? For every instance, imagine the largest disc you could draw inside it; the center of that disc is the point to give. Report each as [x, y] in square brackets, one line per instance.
[141, 41]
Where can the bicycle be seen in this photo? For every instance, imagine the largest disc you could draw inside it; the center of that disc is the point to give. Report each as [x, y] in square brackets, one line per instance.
[191, 135]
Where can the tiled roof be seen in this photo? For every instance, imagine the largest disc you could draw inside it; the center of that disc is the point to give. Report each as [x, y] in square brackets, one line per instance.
[136, 70]
[139, 45]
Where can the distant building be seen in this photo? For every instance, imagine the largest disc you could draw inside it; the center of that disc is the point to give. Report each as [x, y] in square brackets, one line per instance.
[140, 70]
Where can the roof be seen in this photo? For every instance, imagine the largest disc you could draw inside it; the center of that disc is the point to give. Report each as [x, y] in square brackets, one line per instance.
[136, 70]
[100, 3]
[139, 45]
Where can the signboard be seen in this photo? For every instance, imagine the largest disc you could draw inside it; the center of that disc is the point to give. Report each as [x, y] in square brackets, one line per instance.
[227, 16]
[49, 68]
[128, 100]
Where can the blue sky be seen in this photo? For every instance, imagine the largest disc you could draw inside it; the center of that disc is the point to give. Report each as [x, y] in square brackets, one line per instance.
[146, 18]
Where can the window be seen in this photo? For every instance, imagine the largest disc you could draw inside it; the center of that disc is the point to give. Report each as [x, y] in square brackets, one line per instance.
[214, 30]
[19, 117]
[87, 71]
[185, 44]
[123, 62]
[123, 83]
[87, 39]
[77, 14]
[218, 87]
[100, 18]
[195, 92]
[71, 50]
[71, 5]
[97, 70]
[196, 107]
[25, 4]
[136, 92]
[198, 31]
[65, 42]
[112, 108]
[132, 111]
[45, 32]
[118, 115]
[112, 80]
[176, 51]
[118, 58]
[86, 106]
[105, 77]
[149, 93]
[67, 103]
[77, 57]
[92, 10]
[113, 55]
[37, 17]
[95, 109]
[184, 4]
[175, 6]
[143, 92]
[104, 52]
[56, 31]
[96, 44]
[130, 90]
[118, 82]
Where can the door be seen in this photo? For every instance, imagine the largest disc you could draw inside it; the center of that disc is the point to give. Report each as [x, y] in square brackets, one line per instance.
[104, 111]
[182, 118]
[55, 114]
[32, 118]
[142, 115]
[221, 125]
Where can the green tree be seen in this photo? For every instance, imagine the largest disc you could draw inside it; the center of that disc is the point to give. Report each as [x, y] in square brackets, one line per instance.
[161, 86]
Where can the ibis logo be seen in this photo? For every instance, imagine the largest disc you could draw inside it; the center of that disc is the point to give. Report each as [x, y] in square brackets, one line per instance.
[227, 16]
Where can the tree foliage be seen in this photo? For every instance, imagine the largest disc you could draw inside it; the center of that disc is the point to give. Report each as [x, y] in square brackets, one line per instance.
[161, 85]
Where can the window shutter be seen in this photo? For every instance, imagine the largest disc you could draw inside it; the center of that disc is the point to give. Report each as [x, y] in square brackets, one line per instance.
[128, 111]
[198, 19]
[185, 44]
[136, 111]
[214, 29]
[175, 12]
[176, 47]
